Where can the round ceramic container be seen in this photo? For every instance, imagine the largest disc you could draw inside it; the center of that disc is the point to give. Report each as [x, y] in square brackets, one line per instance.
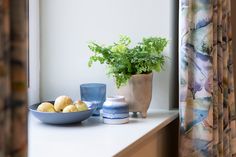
[115, 110]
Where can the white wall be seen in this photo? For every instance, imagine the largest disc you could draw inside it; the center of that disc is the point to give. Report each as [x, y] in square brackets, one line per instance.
[68, 25]
[34, 46]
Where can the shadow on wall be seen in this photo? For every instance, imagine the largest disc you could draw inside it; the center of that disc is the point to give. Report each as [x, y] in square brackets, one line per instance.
[174, 91]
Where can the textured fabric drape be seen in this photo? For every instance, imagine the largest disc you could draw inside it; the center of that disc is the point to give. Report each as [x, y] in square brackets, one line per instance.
[13, 85]
[207, 105]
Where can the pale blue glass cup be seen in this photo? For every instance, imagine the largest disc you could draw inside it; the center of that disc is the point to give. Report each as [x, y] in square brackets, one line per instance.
[94, 94]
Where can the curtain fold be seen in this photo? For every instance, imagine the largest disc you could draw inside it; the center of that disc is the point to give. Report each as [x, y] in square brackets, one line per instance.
[13, 77]
[206, 81]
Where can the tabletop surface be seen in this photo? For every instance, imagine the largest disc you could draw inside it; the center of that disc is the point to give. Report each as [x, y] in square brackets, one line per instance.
[92, 137]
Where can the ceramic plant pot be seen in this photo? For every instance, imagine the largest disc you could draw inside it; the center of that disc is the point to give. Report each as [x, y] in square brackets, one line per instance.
[138, 93]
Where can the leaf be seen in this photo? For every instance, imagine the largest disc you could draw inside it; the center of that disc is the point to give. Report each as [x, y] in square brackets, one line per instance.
[123, 61]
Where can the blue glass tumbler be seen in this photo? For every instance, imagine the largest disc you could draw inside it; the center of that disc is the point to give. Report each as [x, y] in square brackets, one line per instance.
[94, 94]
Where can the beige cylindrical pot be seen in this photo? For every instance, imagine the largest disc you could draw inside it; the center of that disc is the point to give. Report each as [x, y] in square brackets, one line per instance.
[138, 93]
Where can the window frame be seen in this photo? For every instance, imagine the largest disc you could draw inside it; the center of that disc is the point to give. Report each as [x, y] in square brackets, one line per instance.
[34, 52]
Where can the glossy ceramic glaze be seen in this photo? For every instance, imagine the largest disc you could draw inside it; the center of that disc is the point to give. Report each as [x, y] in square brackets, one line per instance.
[115, 110]
[95, 94]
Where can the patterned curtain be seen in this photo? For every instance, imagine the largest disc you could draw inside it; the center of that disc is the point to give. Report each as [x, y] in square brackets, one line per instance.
[13, 85]
[207, 105]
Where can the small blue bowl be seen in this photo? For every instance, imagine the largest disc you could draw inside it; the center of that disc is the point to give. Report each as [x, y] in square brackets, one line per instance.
[60, 118]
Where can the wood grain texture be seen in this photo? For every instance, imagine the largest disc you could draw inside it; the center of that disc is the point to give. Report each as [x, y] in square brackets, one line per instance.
[164, 143]
[233, 8]
[233, 16]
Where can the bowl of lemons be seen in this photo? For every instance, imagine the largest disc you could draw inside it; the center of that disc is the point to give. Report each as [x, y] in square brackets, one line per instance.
[61, 111]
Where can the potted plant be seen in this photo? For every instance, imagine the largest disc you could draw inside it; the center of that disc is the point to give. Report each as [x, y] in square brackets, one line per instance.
[132, 67]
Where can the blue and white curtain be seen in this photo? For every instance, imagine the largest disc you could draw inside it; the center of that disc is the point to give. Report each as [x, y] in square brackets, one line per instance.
[207, 101]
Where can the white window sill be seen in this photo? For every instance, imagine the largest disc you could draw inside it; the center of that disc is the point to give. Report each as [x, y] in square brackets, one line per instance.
[92, 137]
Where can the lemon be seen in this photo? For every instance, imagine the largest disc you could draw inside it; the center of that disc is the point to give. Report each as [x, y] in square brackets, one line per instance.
[70, 108]
[81, 106]
[61, 102]
[46, 107]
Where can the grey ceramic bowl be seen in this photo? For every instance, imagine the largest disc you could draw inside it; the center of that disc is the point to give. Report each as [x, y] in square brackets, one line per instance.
[60, 118]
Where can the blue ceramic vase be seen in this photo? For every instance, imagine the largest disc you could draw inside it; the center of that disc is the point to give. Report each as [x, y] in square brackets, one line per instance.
[115, 110]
